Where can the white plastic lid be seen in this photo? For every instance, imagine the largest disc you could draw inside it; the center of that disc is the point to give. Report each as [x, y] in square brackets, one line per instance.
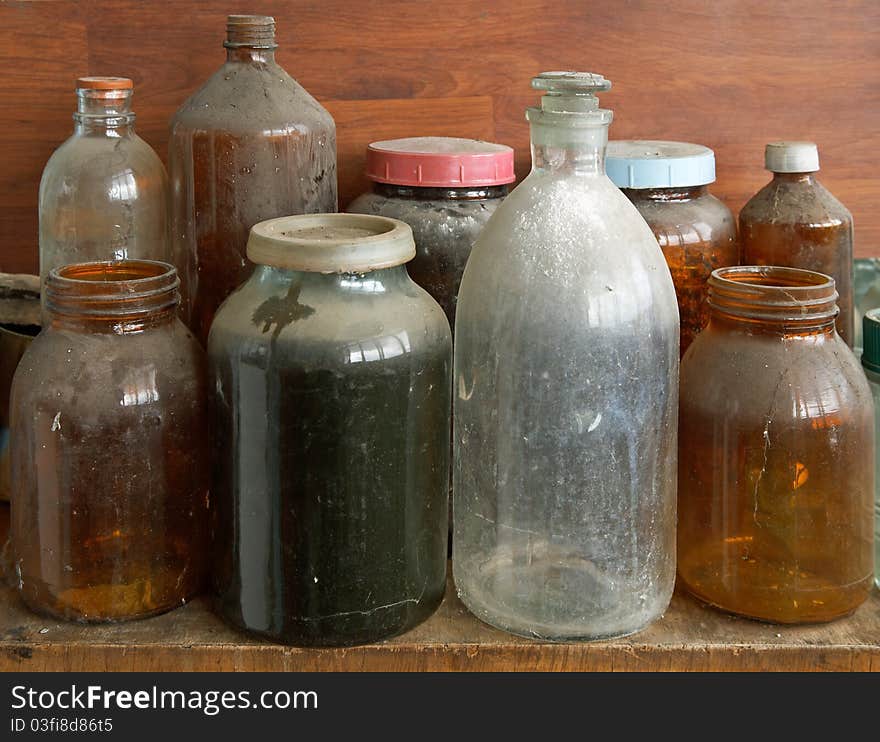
[791, 157]
[331, 243]
[654, 164]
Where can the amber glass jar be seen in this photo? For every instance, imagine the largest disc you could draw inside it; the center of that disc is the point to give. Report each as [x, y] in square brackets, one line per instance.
[250, 144]
[776, 452]
[795, 221]
[332, 378]
[109, 448]
[668, 182]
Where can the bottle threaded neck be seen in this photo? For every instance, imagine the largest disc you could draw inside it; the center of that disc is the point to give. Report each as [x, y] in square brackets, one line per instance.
[774, 295]
[116, 290]
[253, 31]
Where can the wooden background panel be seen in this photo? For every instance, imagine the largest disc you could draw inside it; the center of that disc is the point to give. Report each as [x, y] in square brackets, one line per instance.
[731, 74]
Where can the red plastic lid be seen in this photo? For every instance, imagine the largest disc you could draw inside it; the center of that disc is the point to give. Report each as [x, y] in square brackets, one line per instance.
[440, 162]
[104, 83]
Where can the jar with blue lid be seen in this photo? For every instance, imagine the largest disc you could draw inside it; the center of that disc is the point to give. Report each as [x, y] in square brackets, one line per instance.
[668, 182]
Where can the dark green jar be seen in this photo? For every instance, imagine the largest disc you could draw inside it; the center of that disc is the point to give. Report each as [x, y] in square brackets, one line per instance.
[332, 380]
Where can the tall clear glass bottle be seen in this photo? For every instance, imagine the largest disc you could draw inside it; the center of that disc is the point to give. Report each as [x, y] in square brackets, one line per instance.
[104, 192]
[566, 390]
[251, 144]
[795, 221]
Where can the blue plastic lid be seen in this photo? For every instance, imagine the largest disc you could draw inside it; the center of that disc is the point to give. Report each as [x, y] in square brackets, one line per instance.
[648, 164]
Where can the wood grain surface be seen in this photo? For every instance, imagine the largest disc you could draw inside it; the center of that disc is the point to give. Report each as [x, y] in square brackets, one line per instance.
[689, 637]
[731, 74]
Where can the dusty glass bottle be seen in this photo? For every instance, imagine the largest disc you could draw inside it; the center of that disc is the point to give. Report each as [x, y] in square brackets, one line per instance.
[104, 192]
[668, 182]
[871, 364]
[776, 452]
[332, 377]
[251, 144]
[795, 221]
[446, 189]
[565, 389]
[109, 448]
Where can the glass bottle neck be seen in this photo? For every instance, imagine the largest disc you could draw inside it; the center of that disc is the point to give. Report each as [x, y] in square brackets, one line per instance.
[250, 55]
[807, 178]
[372, 282]
[666, 195]
[563, 150]
[468, 193]
[104, 112]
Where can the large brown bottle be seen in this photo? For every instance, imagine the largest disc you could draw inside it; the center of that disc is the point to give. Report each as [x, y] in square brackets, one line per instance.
[795, 221]
[251, 144]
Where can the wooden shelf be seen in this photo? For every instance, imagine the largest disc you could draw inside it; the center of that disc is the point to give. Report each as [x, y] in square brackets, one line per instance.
[689, 637]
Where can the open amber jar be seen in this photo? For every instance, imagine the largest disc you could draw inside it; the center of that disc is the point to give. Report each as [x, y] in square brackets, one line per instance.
[109, 448]
[776, 457]
[668, 182]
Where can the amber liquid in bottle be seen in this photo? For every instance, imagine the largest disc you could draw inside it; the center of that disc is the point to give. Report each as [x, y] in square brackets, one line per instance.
[697, 234]
[250, 145]
[775, 463]
[795, 221]
[110, 449]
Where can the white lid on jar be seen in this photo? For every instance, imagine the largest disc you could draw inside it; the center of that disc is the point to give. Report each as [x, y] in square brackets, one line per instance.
[331, 243]
[791, 157]
[646, 163]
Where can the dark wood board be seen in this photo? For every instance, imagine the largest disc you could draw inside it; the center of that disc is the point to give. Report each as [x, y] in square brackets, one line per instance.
[731, 74]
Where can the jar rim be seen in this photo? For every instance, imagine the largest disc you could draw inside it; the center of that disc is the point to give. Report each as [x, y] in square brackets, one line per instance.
[773, 294]
[112, 288]
[331, 243]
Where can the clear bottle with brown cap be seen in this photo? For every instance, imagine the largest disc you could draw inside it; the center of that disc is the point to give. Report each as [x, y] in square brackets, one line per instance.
[104, 191]
[110, 454]
[776, 452]
[795, 221]
[251, 144]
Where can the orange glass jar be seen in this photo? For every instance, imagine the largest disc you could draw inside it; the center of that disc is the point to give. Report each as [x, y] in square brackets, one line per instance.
[795, 221]
[668, 182]
[110, 453]
[776, 452]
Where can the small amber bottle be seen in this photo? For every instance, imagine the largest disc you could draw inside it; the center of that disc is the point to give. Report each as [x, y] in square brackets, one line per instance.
[776, 452]
[668, 182]
[110, 448]
[795, 221]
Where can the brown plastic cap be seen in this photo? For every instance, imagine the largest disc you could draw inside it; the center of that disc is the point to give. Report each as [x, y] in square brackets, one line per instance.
[104, 83]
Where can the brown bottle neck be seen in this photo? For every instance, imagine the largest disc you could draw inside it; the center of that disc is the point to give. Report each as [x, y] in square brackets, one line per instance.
[807, 178]
[112, 297]
[774, 300]
[665, 195]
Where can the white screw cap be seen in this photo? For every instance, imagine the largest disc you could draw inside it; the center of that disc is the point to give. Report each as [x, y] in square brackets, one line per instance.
[791, 157]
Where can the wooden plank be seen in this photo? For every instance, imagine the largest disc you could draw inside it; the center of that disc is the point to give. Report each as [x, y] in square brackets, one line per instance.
[689, 637]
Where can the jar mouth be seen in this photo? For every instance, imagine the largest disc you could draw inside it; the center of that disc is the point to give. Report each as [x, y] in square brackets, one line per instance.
[112, 288]
[773, 294]
[331, 243]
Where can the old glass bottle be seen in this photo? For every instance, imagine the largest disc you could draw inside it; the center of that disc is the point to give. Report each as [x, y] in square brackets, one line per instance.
[566, 384]
[332, 376]
[668, 182]
[446, 189]
[776, 452]
[795, 221]
[251, 144]
[109, 448]
[871, 364]
[104, 192]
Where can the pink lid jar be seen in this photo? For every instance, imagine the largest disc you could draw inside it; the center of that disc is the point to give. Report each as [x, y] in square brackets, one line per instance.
[446, 189]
